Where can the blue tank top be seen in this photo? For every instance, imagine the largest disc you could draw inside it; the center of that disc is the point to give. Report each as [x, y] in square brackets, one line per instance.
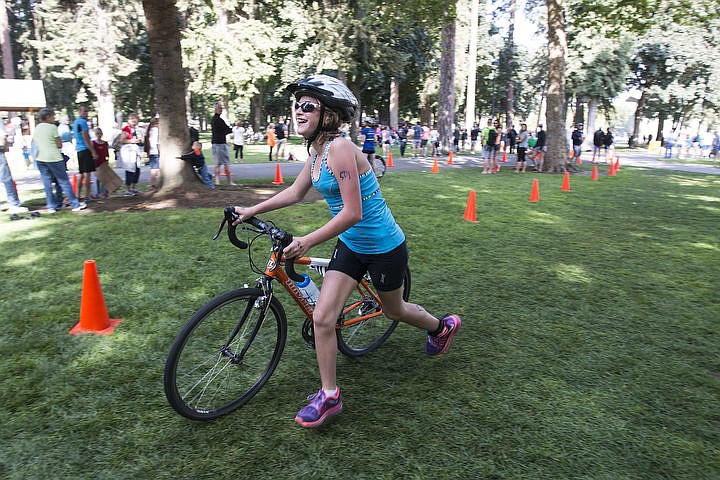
[377, 232]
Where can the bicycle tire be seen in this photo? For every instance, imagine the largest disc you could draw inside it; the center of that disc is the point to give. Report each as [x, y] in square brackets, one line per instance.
[379, 166]
[362, 338]
[203, 379]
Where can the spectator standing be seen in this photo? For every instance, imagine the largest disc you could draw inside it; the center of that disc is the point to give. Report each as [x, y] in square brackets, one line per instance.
[608, 142]
[474, 133]
[598, 143]
[271, 139]
[715, 145]
[51, 163]
[417, 138]
[101, 149]
[85, 151]
[424, 139]
[522, 146]
[66, 137]
[577, 139]
[512, 135]
[486, 148]
[130, 154]
[220, 152]
[280, 140]
[403, 138]
[540, 148]
[239, 139]
[13, 201]
[434, 141]
[152, 145]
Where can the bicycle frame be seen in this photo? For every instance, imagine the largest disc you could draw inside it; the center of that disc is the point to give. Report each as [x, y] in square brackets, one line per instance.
[274, 270]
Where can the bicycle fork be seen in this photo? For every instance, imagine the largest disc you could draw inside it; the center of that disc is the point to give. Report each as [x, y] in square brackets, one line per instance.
[261, 303]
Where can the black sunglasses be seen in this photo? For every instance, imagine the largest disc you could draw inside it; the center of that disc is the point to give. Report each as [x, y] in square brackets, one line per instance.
[307, 107]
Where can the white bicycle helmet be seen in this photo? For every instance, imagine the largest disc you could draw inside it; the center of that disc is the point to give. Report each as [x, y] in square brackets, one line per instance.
[330, 91]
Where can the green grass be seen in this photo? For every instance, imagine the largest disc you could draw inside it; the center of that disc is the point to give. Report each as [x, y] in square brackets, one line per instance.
[589, 348]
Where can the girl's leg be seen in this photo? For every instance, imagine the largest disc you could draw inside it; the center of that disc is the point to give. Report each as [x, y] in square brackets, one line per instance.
[336, 288]
[396, 308]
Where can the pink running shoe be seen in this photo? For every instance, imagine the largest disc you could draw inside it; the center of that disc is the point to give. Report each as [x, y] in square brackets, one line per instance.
[440, 344]
[319, 409]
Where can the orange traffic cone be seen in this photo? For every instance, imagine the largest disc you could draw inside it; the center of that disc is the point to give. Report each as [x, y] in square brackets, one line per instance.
[566, 182]
[470, 208]
[278, 176]
[579, 162]
[535, 193]
[435, 168]
[73, 183]
[93, 312]
[390, 162]
[594, 175]
[504, 157]
[450, 159]
[617, 163]
[611, 172]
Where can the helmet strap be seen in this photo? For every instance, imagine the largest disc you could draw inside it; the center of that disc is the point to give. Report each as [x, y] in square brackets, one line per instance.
[318, 129]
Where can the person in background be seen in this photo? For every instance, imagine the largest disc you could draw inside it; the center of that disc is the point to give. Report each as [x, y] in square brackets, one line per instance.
[280, 139]
[522, 146]
[369, 238]
[85, 152]
[271, 140]
[238, 139]
[13, 201]
[577, 139]
[221, 154]
[540, 148]
[51, 163]
[152, 146]
[101, 148]
[197, 160]
[130, 154]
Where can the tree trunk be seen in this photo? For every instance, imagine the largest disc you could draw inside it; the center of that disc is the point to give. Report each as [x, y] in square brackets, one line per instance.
[6, 47]
[103, 81]
[472, 67]
[510, 98]
[590, 125]
[639, 113]
[661, 125]
[557, 143]
[163, 29]
[446, 96]
[394, 102]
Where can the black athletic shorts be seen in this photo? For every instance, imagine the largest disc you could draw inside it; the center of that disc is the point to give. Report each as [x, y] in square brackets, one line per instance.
[86, 163]
[387, 270]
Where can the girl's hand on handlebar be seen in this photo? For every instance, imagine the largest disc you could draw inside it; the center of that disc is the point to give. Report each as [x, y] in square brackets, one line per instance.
[243, 213]
[297, 248]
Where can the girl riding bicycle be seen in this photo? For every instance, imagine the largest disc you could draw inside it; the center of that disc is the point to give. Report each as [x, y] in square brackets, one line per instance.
[369, 238]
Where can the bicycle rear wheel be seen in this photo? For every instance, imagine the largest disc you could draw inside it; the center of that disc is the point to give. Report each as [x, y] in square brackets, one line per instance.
[225, 354]
[363, 337]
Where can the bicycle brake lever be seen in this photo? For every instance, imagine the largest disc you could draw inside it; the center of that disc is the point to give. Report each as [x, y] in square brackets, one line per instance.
[222, 225]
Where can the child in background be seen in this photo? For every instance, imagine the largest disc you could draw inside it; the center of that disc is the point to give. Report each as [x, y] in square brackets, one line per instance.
[101, 147]
[197, 160]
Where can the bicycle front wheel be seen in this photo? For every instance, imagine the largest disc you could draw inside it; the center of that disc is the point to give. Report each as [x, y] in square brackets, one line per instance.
[225, 354]
[361, 338]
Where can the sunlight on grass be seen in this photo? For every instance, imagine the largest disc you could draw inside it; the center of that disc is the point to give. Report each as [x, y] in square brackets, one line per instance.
[704, 246]
[572, 273]
[703, 198]
[26, 259]
[29, 226]
[542, 217]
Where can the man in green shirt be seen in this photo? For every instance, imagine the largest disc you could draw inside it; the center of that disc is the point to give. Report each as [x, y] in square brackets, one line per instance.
[51, 163]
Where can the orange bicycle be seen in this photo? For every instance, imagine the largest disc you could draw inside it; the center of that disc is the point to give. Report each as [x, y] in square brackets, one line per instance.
[231, 346]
